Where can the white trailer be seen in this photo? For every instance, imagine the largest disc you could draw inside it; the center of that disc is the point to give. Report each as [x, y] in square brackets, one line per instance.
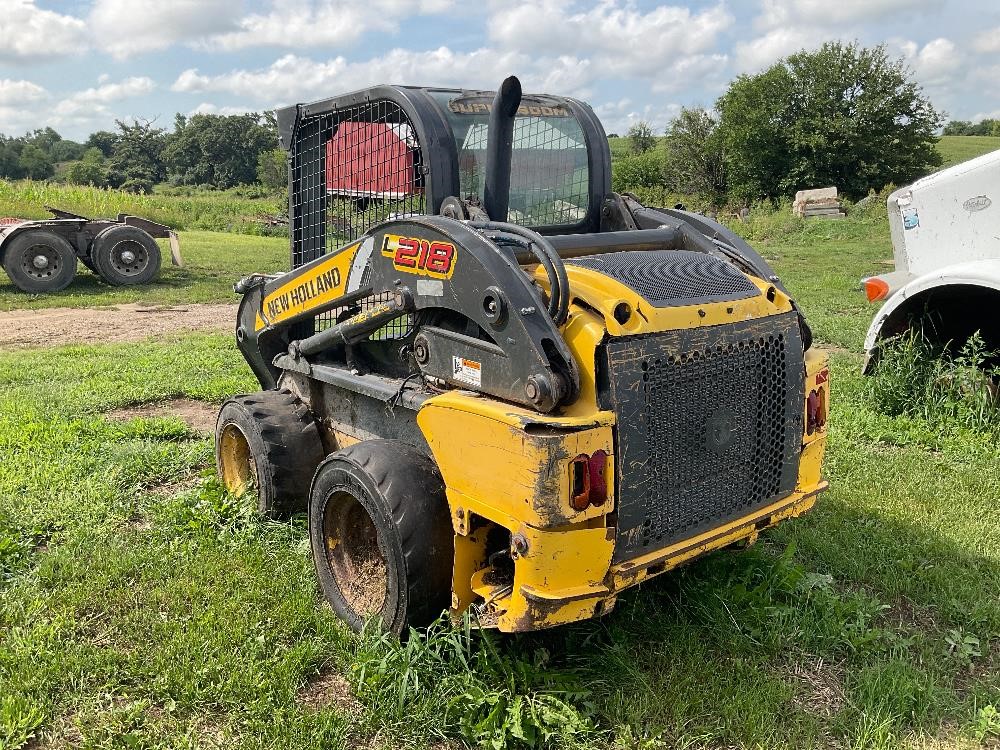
[945, 231]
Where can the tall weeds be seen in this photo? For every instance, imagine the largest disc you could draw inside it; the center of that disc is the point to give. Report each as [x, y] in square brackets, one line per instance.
[917, 378]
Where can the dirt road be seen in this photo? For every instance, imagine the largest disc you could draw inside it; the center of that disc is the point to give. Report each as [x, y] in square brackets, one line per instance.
[63, 325]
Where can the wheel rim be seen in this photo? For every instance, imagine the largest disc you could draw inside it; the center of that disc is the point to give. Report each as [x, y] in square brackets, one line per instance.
[129, 257]
[353, 554]
[238, 468]
[40, 262]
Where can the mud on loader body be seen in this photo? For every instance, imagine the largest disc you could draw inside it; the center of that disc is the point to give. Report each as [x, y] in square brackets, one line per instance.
[494, 383]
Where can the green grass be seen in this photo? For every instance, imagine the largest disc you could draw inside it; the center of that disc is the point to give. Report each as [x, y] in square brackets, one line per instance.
[958, 148]
[213, 261]
[141, 607]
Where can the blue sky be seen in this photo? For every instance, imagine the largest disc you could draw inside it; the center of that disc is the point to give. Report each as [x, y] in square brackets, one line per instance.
[79, 64]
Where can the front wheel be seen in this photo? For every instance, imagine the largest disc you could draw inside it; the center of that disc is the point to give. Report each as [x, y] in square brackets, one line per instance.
[381, 535]
[267, 443]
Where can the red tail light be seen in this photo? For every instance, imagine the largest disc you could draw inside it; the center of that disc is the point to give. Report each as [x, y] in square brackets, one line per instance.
[815, 410]
[588, 484]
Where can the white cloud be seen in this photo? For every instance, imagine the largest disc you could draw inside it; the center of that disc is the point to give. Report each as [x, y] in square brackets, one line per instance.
[824, 13]
[29, 33]
[311, 23]
[293, 78]
[17, 100]
[937, 62]
[760, 52]
[980, 116]
[20, 92]
[618, 116]
[618, 39]
[91, 106]
[129, 27]
[787, 26]
[207, 108]
[987, 41]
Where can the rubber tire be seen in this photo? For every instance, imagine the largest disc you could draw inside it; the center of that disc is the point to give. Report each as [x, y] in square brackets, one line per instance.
[103, 244]
[284, 443]
[14, 248]
[402, 491]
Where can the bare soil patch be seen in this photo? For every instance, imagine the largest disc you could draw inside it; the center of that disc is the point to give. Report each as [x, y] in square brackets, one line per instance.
[57, 326]
[197, 415]
[327, 690]
[818, 686]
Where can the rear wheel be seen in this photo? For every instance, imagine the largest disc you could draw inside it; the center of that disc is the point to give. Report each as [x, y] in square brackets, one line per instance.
[267, 443]
[125, 256]
[39, 261]
[381, 535]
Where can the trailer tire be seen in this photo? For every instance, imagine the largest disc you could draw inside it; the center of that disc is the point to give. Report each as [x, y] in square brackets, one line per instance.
[381, 535]
[39, 261]
[269, 442]
[125, 256]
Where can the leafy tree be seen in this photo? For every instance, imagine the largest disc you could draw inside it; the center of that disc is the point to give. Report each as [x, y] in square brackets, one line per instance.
[137, 160]
[103, 140]
[695, 162]
[989, 126]
[66, 150]
[632, 171]
[641, 138]
[218, 150]
[89, 170]
[272, 169]
[958, 127]
[10, 158]
[44, 138]
[35, 163]
[842, 115]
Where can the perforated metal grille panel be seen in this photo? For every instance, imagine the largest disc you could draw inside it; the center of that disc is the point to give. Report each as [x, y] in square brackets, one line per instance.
[351, 170]
[669, 278]
[709, 427]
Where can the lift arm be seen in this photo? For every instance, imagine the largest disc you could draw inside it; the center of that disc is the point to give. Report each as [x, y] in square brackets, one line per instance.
[431, 267]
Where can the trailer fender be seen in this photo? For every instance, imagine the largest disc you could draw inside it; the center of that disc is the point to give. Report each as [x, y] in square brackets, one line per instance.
[966, 296]
[67, 228]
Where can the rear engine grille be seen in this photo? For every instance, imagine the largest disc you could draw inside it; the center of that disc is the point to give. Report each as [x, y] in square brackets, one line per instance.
[669, 278]
[709, 426]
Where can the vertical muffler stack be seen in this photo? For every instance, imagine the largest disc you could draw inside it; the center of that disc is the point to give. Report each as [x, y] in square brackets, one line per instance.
[500, 140]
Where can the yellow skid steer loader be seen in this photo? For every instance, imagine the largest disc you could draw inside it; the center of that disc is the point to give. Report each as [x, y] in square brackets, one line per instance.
[496, 385]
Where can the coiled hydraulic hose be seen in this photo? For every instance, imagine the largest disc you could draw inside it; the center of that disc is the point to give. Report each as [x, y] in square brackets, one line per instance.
[542, 249]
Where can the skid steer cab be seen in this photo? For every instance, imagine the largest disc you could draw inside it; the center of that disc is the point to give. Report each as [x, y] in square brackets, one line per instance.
[497, 386]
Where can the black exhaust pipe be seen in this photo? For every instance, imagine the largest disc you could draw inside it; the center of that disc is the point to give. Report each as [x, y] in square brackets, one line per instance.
[500, 141]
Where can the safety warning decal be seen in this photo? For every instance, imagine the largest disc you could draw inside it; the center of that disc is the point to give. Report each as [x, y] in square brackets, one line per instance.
[467, 371]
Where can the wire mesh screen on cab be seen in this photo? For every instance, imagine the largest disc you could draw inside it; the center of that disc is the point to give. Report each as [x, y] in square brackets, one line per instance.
[353, 169]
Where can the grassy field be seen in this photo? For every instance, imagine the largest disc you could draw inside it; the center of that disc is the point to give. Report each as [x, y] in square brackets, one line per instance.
[958, 148]
[213, 261]
[142, 608]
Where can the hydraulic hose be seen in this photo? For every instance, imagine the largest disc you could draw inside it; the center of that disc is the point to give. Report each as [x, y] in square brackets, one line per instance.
[542, 249]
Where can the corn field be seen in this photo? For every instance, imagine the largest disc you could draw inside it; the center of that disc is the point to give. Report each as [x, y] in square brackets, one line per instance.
[217, 211]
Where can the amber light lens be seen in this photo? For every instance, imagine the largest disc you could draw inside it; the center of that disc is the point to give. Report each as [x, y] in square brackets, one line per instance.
[876, 289]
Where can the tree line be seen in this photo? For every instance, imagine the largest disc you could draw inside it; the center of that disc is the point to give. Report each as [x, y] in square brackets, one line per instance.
[219, 151]
[841, 115]
[988, 126]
